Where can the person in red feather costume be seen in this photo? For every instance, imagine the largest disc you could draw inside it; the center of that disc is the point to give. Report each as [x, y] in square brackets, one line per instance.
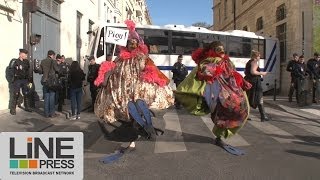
[215, 87]
[131, 76]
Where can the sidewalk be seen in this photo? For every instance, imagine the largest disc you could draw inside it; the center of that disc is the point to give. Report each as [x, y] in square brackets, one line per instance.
[282, 103]
[36, 122]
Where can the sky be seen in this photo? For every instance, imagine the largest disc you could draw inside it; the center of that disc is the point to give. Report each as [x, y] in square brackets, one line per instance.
[182, 12]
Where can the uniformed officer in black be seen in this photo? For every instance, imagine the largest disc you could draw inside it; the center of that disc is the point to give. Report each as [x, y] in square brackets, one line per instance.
[9, 77]
[93, 70]
[180, 72]
[21, 80]
[63, 77]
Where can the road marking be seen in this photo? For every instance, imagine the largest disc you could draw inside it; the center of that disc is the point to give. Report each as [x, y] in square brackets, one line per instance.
[278, 134]
[235, 140]
[309, 125]
[177, 144]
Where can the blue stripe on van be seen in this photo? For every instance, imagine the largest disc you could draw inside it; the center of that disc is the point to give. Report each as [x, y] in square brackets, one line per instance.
[274, 61]
[269, 59]
[169, 68]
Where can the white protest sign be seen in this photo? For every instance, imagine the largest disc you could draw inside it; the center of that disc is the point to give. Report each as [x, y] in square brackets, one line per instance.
[117, 36]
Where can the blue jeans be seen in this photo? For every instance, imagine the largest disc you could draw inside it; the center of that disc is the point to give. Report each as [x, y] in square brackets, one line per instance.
[75, 95]
[49, 101]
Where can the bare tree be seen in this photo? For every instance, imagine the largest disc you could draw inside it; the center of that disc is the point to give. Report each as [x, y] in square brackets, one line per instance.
[201, 24]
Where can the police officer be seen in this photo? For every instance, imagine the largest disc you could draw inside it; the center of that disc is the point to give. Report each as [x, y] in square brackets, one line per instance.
[290, 66]
[9, 77]
[180, 72]
[93, 70]
[63, 77]
[21, 80]
[313, 68]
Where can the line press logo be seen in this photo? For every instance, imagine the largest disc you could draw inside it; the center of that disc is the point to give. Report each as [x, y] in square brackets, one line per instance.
[39, 155]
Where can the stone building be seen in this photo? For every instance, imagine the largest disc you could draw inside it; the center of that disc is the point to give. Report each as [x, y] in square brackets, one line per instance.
[60, 25]
[294, 23]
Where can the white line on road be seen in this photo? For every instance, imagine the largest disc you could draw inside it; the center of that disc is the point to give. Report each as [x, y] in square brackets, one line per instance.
[172, 123]
[235, 140]
[300, 122]
[278, 134]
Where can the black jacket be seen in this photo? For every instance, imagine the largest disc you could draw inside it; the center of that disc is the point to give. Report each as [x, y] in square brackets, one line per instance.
[179, 71]
[313, 68]
[75, 78]
[93, 71]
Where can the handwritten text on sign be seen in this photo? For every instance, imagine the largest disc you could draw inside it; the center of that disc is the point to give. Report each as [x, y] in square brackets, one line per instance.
[117, 36]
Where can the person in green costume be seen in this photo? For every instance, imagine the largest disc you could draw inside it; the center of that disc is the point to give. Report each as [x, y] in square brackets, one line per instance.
[214, 86]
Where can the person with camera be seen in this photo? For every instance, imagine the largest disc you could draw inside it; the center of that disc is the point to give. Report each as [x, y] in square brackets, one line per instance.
[49, 68]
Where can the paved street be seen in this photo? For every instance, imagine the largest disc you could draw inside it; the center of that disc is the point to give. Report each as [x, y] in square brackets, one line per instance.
[285, 148]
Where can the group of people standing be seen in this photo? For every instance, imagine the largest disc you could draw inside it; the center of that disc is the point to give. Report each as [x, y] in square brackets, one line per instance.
[68, 77]
[302, 74]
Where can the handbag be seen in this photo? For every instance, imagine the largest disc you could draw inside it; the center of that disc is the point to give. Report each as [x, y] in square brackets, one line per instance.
[53, 82]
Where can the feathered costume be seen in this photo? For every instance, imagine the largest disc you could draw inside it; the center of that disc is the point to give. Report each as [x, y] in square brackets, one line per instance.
[215, 87]
[132, 75]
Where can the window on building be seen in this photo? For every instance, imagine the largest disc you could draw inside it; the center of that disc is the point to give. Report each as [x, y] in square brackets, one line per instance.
[259, 24]
[245, 28]
[225, 9]
[258, 45]
[219, 16]
[281, 35]
[78, 35]
[90, 29]
[281, 12]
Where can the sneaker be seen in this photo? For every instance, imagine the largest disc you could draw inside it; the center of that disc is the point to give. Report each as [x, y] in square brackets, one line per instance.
[73, 117]
[78, 116]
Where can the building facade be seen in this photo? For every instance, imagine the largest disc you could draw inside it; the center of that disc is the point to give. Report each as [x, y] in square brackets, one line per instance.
[293, 22]
[59, 25]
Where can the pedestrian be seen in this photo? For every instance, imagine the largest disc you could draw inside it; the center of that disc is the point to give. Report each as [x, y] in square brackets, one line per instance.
[93, 70]
[313, 69]
[21, 81]
[131, 76]
[180, 72]
[63, 79]
[299, 73]
[49, 67]
[290, 65]
[254, 75]
[76, 78]
[215, 87]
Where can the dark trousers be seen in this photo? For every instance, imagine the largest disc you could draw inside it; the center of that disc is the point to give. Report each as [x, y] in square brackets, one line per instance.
[20, 84]
[94, 92]
[12, 95]
[61, 97]
[176, 101]
[292, 88]
[300, 86]
[316, 90]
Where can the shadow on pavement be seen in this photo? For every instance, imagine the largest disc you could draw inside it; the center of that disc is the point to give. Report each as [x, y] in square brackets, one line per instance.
[304, 153]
